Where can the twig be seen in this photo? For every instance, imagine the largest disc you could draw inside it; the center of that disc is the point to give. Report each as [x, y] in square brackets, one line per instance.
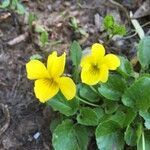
[18, 39]
[130, 36]
[145, 24]
[5, 16]
[88, 7]
[121, 7]
[6, 113]
[135, 33]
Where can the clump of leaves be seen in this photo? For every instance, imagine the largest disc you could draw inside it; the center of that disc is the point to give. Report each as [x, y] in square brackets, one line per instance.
[14, 5]
[120, 117]
[112, 27]
[116, 112]
[76, 27]
[43, 34]
[31, 18]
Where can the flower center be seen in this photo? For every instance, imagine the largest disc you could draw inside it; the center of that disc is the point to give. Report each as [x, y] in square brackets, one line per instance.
[95, 68]
[52, 82]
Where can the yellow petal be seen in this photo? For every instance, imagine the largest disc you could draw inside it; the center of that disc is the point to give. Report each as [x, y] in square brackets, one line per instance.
[45, 89]
[67, 87]
[36, 70]
[111, 61]
[98, 52]
[103, 73]
[55, 64]
[86, 60]
[90, 76]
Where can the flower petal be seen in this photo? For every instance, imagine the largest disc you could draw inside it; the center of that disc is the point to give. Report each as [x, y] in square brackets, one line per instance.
[36, 70]
[90, 76]
[67, 87]
[55, 64]
[45, 89]
[98, 52]
[103, 73]
[86, 61]
[111, 61]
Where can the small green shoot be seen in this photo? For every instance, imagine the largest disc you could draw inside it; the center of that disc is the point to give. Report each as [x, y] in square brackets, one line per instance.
[31, 18]
[36, 56]
[13, 5]
[76, 27]
[112, 27]
[44, 38]
[43, 35]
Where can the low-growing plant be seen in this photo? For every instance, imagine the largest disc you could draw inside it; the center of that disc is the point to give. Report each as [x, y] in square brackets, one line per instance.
[112, 27]
[101, 99]
[76, 27]
[34, 27]
[14, 5]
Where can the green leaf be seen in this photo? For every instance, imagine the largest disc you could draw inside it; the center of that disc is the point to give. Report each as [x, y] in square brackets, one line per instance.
[147, 141]
[111, 107]
[114, 140]
[118, 29]
[20, 9]
[14, 4]
[54, 123]
[44, 38]
[82, 135]
[130, 136]
[137, 95]
[32, 17]
[118, 117]
[35, 56]
[75, 53]
[123, 116]
[107, 127]
[5, 4]
[112, 27]
[74, 23]
[130, 116]
[146, 117]
[108, 21]
[139, 131]
[125, 68]
[82, 31]
[59, 103]
[87, 93]
[100, 113]
[144, 52]
[87, 116]
[113, 88]
[70, 137]
[39, 29]
[76, 74]
[108, 136]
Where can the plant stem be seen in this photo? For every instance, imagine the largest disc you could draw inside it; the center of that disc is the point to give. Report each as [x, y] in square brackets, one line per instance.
[95, 91]
[86, 102]
[143, 141]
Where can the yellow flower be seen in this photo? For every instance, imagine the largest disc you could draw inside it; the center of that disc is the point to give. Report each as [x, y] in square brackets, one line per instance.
[49, 80]
[96, 66]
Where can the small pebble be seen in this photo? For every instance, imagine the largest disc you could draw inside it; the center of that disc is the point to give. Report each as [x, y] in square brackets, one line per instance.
[36, 135]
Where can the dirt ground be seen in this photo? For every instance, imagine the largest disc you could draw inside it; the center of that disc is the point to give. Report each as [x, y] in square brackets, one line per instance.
[27, 117]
